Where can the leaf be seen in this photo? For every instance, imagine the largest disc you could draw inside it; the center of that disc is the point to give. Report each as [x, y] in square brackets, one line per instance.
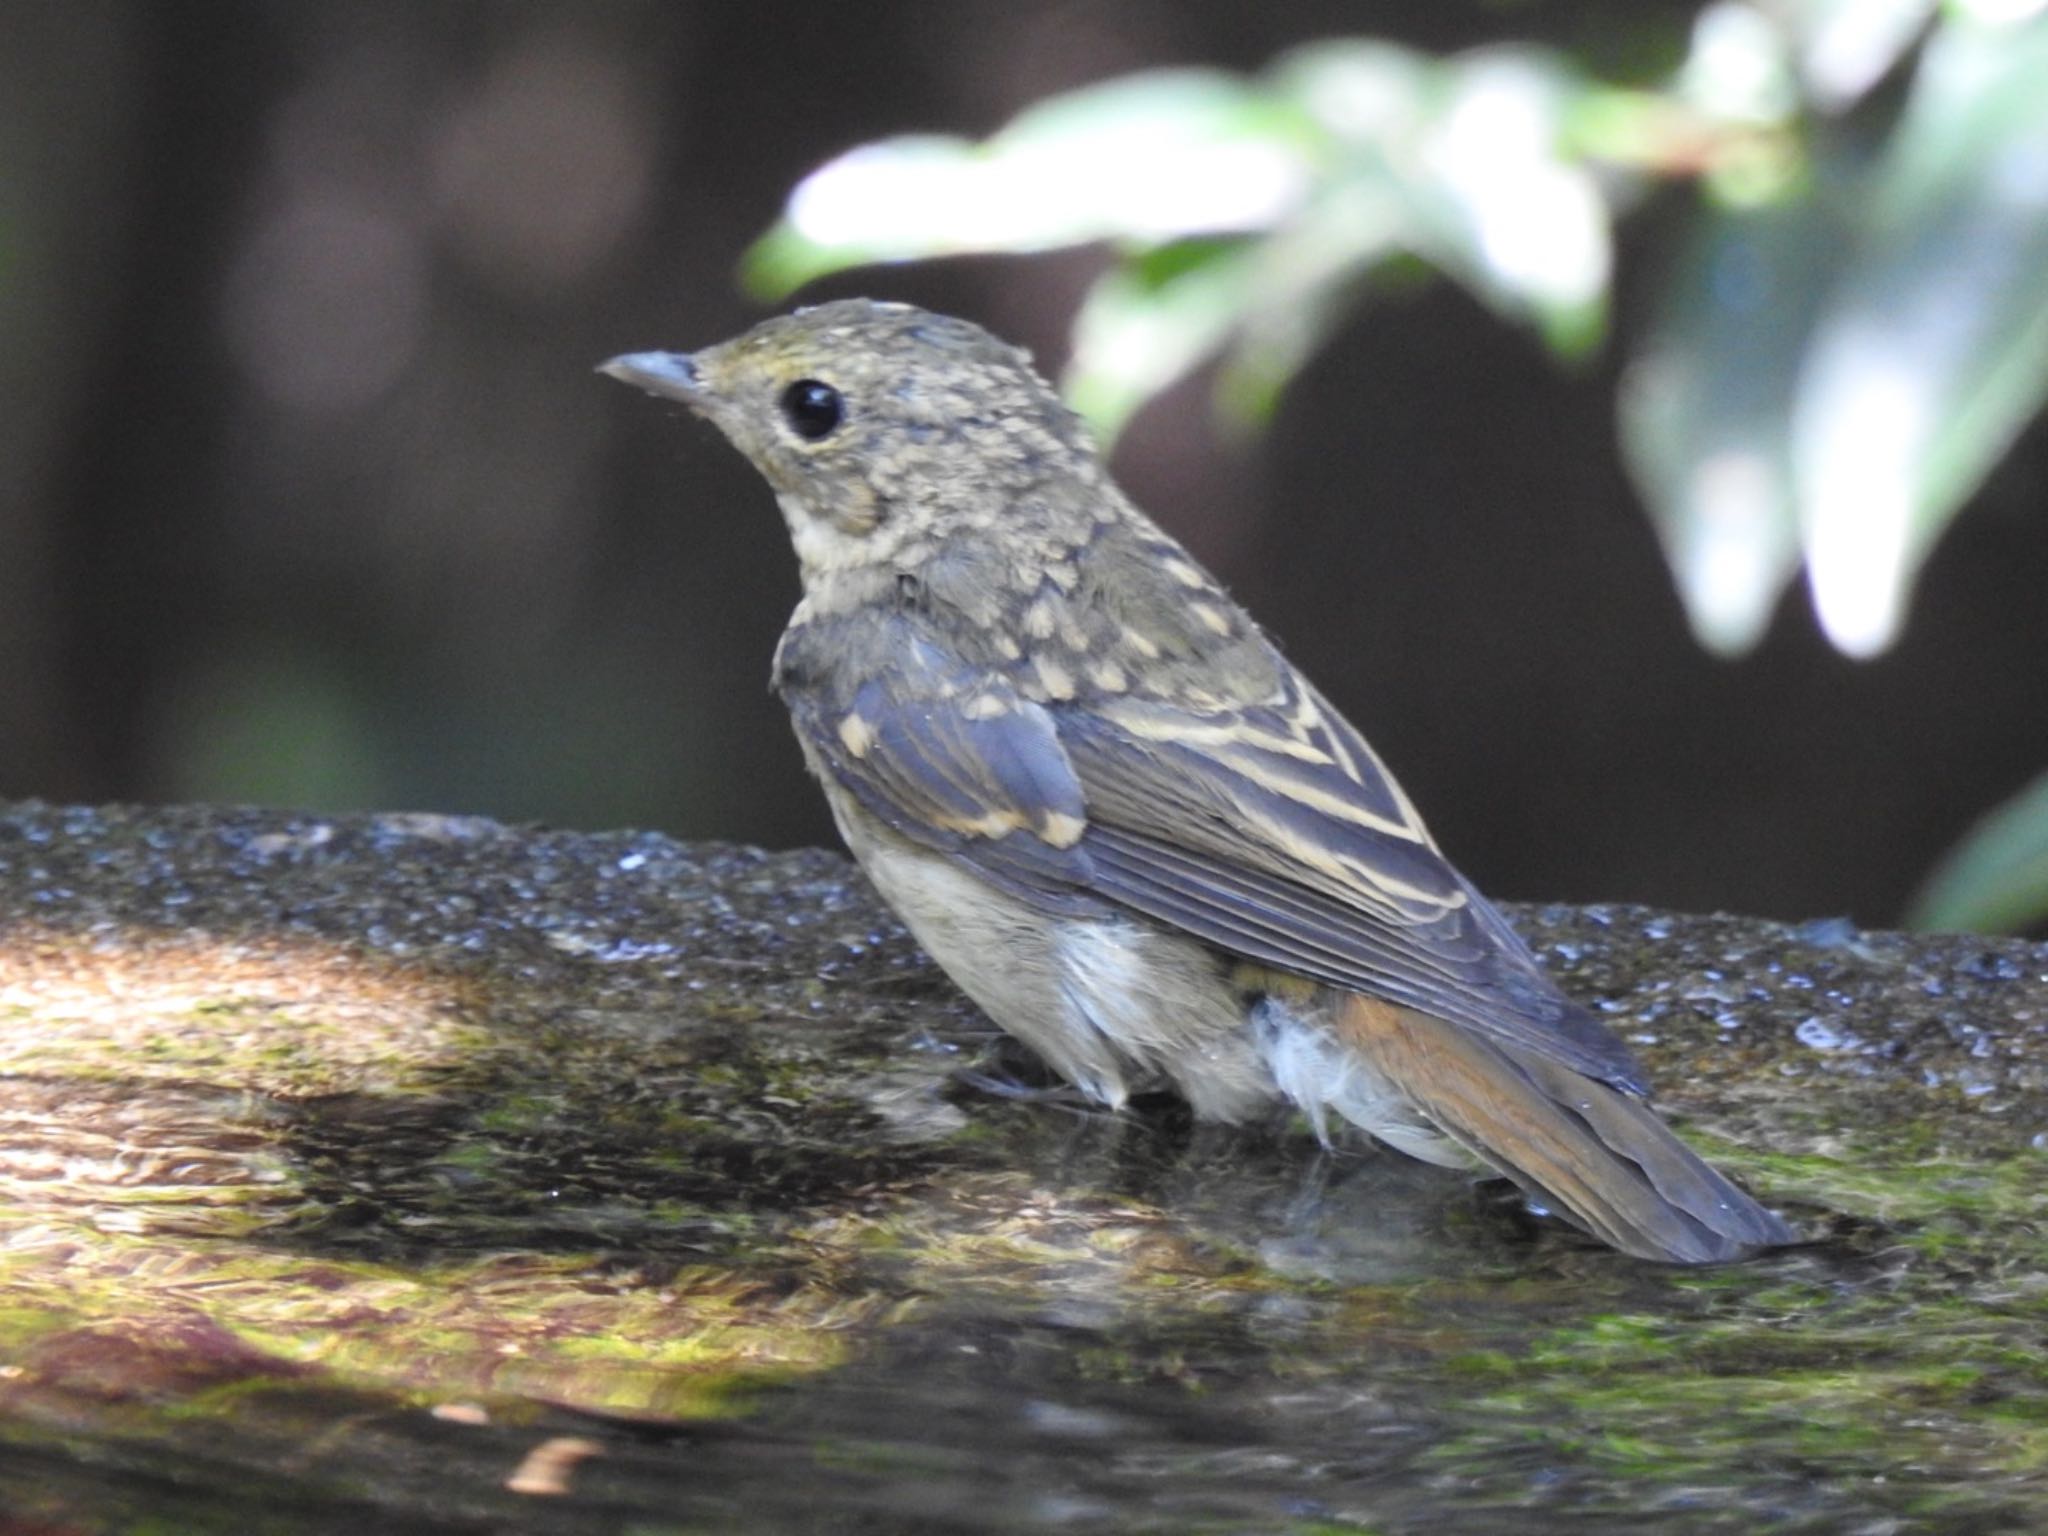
[1306, 275]
[1369, 97]
[1705, 402]
[1150, 320]
[1148, 158]
[1248, 211]
[1524, 226]
[1477, 147]
[1739, 67]
[1933, 350]
[1846, 46]
[1996, 879]
[1268, 299]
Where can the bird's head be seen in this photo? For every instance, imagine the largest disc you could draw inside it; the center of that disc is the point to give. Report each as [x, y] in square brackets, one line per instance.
[881, 427]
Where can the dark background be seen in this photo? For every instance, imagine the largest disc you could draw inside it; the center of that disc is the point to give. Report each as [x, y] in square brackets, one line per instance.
[308, 493]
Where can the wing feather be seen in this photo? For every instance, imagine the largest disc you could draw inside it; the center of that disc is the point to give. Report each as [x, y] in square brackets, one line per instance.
[1269, 831]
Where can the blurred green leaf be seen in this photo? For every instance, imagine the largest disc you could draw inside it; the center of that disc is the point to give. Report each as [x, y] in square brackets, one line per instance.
[1705, 404]
[1305, 276]
[1739, 67]
[1846, 46]
[1996, 879]
[1268, 299]
[1147, 158]
[1477, 149]
[1932, 352]
[1839, 362]
[1150, 320]
[1528, 223]
[1343, 155]
[1995, 12]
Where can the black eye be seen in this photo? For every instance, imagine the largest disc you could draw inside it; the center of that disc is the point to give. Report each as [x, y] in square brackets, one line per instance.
[813, 410]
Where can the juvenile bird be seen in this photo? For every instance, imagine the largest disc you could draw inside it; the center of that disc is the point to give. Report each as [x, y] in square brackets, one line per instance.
[1118, 818]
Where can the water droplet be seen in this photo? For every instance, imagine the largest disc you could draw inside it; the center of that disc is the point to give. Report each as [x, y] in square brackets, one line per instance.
[1818, 1036]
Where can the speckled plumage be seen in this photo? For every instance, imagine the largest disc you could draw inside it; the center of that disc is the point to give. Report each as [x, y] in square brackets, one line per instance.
[1117, 816]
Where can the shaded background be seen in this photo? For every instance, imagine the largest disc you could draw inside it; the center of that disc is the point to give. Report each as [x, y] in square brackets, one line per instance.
[308, 494]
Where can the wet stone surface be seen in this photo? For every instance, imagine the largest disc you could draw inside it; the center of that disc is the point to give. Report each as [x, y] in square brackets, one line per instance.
[418, 1170]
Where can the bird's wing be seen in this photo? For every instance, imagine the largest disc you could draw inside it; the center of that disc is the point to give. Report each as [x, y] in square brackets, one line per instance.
[1270, 832]
[953, 759]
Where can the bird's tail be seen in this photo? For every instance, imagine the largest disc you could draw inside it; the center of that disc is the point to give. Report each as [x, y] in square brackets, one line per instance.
[1597, 1155]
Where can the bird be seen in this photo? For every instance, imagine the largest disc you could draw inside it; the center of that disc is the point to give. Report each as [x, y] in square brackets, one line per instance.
[1124, 824]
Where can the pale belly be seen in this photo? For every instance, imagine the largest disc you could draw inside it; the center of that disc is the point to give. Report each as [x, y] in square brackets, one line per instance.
[1112, 1004]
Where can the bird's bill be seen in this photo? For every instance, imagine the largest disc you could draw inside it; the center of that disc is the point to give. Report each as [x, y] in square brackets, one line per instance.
[672, 375]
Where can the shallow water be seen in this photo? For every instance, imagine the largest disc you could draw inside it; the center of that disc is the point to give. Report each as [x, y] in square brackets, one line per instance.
[416, 1174]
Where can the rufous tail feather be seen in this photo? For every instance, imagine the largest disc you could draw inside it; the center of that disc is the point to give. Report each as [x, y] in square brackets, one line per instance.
[1599, 1156]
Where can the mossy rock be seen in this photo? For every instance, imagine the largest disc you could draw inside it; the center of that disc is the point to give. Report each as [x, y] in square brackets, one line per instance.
[408, 1168]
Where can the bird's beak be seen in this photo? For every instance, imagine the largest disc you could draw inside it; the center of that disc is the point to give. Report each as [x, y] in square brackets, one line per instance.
[669, 374]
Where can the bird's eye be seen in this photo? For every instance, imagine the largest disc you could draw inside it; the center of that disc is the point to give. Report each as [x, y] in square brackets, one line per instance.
[813, 410]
